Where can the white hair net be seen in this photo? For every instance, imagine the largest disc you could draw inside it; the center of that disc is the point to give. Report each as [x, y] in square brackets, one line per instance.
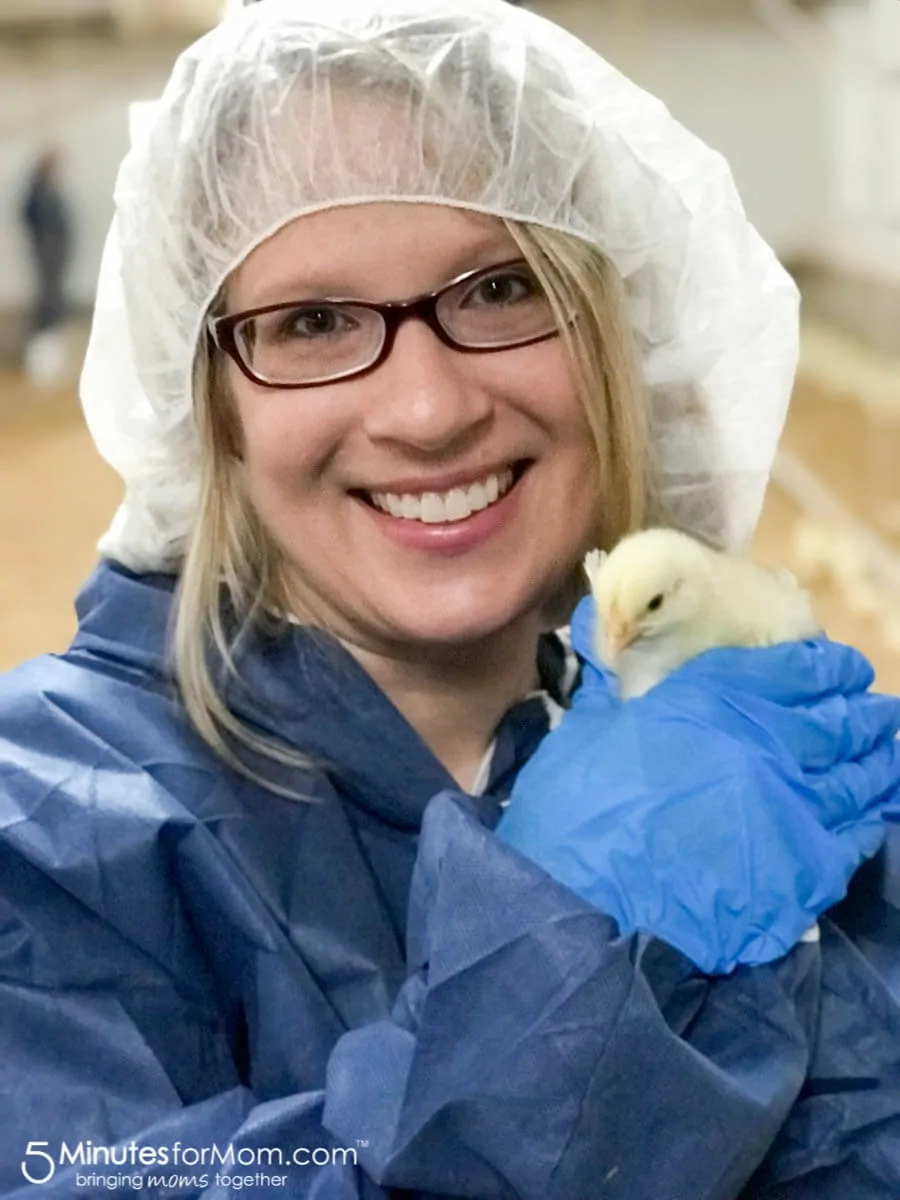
[479, 104]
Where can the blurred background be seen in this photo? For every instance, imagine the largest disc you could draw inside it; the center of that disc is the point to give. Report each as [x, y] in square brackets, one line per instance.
[803, 98]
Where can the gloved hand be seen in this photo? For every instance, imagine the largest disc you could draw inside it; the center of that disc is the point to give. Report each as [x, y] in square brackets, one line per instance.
[724, 810]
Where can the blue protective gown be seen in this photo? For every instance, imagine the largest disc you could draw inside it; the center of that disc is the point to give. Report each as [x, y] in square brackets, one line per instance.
[191, 965]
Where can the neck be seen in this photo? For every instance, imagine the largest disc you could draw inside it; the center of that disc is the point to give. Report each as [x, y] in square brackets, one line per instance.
[456, 697]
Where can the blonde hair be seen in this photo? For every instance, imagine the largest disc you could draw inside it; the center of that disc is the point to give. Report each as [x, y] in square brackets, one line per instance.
[233, 567]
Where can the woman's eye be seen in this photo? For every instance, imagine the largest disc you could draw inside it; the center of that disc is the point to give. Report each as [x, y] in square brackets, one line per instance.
[506, 287]
[314, 322]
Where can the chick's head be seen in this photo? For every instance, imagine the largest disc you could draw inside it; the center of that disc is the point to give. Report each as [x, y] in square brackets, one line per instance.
[649, 586]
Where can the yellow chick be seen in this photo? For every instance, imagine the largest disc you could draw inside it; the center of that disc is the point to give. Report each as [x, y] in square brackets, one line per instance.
[662, 597]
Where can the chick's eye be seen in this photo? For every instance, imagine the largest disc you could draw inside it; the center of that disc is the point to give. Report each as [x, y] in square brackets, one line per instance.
[656, 602]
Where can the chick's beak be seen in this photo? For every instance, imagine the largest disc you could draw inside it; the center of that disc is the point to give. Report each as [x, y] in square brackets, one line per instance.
[618, 634]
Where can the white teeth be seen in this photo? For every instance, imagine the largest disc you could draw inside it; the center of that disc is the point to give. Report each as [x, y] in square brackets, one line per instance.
[456, 505]
[433, 508]
[477, 497]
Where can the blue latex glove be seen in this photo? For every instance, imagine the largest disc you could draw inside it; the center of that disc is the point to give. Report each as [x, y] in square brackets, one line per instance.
[724, 810]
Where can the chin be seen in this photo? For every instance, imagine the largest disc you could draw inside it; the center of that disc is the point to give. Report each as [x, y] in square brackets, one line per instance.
[435, 625]
[449, 633]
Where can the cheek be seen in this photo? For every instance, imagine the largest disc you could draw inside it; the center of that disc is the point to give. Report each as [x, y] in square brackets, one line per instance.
[543, 385]
[288, 440]
[540, 385]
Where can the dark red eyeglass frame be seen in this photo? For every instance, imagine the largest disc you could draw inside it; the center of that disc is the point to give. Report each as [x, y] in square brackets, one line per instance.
[221, 330]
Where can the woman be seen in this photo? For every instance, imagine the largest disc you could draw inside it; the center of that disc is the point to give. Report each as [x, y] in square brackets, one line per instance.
[365, 357]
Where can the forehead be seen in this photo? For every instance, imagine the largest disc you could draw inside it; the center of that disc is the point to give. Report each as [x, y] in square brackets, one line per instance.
[373, 251]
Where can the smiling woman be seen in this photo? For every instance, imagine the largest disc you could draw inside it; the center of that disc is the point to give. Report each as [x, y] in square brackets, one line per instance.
[406, 306]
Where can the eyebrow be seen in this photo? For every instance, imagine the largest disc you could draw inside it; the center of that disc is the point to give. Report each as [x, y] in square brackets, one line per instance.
[322, 285]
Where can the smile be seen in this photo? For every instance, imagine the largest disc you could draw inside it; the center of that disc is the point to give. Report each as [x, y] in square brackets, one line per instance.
[441, 508]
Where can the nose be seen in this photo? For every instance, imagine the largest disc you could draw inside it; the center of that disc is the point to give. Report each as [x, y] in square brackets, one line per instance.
[428, 395]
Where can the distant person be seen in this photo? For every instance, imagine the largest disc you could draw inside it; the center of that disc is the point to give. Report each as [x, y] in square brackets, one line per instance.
[48, 226]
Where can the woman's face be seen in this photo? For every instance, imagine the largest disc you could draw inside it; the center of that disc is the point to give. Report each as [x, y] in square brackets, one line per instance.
[322, 463]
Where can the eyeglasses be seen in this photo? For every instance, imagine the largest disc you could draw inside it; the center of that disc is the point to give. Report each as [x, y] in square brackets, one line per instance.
[312, 342]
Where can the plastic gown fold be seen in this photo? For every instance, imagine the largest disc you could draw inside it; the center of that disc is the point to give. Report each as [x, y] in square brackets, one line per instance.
[178, 968]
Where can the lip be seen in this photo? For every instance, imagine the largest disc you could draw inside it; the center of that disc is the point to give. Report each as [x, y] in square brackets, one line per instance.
[445, 482]
[454, 537]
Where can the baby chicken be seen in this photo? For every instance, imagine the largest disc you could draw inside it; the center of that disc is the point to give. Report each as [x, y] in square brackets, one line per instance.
[662, 598]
